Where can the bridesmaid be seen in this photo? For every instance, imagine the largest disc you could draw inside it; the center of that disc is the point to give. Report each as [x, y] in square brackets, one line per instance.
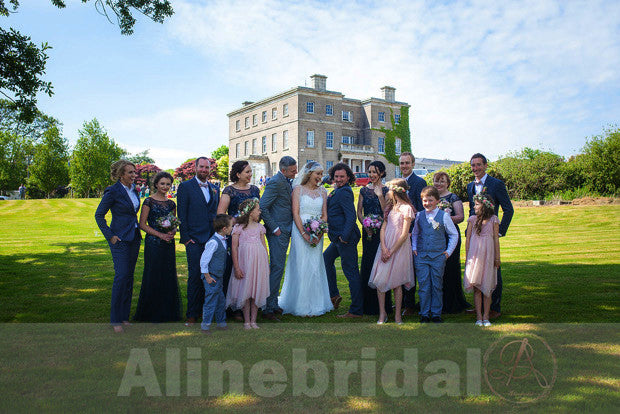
[123, 236]
[160, 300]
[453, 297]
[372, 201]
[232, 196]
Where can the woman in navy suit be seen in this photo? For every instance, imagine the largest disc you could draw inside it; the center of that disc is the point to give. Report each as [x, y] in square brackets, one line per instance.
[123, 236]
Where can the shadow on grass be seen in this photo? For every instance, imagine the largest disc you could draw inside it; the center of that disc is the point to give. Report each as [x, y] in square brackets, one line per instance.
[73, 284]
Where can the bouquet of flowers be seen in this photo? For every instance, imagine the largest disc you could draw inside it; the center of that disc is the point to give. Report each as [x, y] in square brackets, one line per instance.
[315, 227]
[168, 223]
[373, 223]
[445, 206]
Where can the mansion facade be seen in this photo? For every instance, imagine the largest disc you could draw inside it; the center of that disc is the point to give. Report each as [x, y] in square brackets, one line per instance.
[313, 124]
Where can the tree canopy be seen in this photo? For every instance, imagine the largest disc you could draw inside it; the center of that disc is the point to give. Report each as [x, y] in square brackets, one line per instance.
[22, 63]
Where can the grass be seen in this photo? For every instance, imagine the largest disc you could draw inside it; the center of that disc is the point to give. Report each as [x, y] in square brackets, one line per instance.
[561, 268]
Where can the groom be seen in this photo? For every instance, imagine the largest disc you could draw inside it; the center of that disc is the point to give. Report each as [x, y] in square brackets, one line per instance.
[276, 211]
[344, 236]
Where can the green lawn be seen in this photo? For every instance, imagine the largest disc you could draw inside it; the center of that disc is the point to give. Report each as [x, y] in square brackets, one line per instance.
[561, 268]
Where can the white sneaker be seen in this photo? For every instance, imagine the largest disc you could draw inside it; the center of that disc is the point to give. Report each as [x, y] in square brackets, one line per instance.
[486, 323]
[478, 322]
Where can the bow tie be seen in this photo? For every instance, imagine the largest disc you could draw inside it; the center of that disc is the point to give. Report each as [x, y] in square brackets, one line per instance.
[478, 182]
[205, 185]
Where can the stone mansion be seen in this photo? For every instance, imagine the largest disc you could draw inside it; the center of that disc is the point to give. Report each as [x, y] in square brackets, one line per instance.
[313, 124]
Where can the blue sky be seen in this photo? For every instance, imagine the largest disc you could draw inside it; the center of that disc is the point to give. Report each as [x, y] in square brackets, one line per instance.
[480, 76]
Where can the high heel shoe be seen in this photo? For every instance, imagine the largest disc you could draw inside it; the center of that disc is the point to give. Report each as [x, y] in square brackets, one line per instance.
[381, 322]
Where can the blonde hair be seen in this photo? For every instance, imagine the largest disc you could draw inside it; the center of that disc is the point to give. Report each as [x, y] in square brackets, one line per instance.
[117, 169]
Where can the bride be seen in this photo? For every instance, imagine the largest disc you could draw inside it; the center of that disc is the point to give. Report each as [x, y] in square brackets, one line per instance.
[305, 291]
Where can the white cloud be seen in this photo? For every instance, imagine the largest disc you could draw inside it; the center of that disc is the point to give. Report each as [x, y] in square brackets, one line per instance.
[479, 76]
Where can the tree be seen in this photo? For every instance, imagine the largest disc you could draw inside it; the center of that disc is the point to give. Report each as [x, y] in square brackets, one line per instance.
[10, 122]
[222, 168]
[22, 63]
[187, 170]
[49, 169]
[220, 152]
[15, 155]
[141, 158]
[144, 172]
[601, 155]
[92, 156]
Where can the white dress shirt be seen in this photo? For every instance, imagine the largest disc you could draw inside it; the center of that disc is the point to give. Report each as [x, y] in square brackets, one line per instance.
[205, 190]
[478, 186]
[132, 197]
[210, 248]
[453, 235]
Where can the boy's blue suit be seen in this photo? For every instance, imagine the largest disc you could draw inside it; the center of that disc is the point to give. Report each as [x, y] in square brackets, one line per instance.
[124, 225]
[196, 216]
[344, 236]
[496, 189]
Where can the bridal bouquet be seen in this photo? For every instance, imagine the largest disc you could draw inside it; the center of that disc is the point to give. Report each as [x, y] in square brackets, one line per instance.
[445, 206]
[168, 223]
[372, 222]
[315, 227]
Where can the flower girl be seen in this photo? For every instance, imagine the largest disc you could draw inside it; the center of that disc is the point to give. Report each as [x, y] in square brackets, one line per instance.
[393, 265]
[249, 289]
[482, 252]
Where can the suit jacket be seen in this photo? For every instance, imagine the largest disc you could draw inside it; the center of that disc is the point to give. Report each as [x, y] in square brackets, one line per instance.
[275, 204]
[124, 215]
[341, 215]
[497, 190]
[416, 184]
[195, 214]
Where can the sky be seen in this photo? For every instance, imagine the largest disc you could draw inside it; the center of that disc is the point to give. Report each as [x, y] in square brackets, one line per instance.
[480, 76]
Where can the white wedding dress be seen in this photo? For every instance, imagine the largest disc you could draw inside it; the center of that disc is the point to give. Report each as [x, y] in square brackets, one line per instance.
[305, 291]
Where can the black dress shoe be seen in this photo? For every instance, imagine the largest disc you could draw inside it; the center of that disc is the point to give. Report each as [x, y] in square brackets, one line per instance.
[424, 319]
[270, 316]
[437, 319]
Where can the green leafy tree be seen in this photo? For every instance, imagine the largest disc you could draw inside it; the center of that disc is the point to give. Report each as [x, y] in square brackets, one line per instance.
[601, 158]
[10, 122]
[90, 162]
[222, 169]
[400, 130]
[49, 168]
[220, 152]
[141, 158]
[15, 155]
[22, 63]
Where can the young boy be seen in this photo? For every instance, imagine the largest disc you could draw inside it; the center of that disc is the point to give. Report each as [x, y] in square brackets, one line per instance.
[430, 251]
[212, 265]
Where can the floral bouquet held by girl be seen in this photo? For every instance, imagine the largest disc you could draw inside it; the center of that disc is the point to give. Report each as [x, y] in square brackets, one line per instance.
[315, 227]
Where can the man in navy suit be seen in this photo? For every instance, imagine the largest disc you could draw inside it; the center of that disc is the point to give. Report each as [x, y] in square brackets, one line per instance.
[344, 236]
[416, 184]
[197, 201]
[497, 190]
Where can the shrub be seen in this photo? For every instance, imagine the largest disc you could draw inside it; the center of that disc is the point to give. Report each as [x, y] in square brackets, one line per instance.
[601, 159]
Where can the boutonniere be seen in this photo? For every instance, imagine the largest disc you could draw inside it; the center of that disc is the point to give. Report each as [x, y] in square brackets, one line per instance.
[484, 190]
[330, 195]
[434, 223]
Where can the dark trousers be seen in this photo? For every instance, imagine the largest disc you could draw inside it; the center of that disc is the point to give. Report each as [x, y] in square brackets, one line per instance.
[124, 256]
[195, 287]
[348, 257]
[278, 245]
[409, 295]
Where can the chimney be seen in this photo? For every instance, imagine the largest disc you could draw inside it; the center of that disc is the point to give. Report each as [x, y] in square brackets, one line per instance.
[247, 103]
[388, 93]
[319, 82]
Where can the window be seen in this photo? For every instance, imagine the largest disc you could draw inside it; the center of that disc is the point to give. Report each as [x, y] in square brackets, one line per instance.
[397, 119]
[264, 145]
[245, 148]
[381, 116]
[264, 116]
[237, 150]
[310, 139]
[254, 146]
[274, 143]
[329, 140]
[273, 168]
[347, 116]
[381, 145]
[397, 144]
[274, 113]
[254, 120]
[285, 140]
[397, 173]
[247, 121]
[329, 110]
[310, 107]
[285, 110]
[329, 164]
[237, 125]
[346, 139]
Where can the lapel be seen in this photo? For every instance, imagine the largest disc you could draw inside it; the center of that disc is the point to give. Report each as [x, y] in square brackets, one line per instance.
[199, 192]
[286, 182]
[124, 196]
